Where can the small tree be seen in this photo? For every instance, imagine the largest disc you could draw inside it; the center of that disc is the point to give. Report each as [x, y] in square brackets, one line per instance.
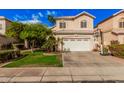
[28, 35]
[35, 34]
[50, 43]
[24, 36]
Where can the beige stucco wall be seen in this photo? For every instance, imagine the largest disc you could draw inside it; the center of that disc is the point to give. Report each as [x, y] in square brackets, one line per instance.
[5, 24]
[75, 24]
[108, 37]
[121, 39]
[106, 26]
[2, 31]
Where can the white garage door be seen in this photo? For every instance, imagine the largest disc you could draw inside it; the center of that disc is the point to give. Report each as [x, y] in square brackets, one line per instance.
[80, 44]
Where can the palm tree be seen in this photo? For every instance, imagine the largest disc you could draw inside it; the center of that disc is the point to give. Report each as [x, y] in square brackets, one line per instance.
[24, 36]
[14, 30]
[51, 19]
[28, 35]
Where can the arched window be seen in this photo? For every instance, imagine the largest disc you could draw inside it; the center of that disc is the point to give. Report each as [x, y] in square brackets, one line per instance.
[84, 24]
[62, 25]
[121, 23]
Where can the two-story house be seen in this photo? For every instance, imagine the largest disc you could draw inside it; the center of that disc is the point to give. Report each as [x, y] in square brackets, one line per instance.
[112, 29]
[75, 32]
[4, 23]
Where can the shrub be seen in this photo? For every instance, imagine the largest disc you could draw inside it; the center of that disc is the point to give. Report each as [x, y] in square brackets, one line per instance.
[7, 55]
[9, 46]
[105, 51]
[114, 42]
[117, 50]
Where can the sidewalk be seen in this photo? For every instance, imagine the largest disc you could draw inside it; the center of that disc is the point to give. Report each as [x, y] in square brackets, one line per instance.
[62, 74]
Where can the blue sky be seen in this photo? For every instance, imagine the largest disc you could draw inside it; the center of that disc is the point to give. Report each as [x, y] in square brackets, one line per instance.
[40, 15]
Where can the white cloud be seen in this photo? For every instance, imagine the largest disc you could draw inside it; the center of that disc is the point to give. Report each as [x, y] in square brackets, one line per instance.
[35, 17]
[40, 14]
[15, 19]
[48, 12]
[31, 21]
[25, 17]
[19, 17]
[51, 12]
[54, 13]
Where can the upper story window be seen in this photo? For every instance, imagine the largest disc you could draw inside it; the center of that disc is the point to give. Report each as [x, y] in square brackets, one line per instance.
[62, 25]
[121, 23]
[84, 24]
[0, 26]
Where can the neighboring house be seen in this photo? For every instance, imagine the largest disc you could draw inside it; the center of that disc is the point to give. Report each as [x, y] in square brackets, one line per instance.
[112, 29]
[4, 23]
[75, 32]
[4, 41]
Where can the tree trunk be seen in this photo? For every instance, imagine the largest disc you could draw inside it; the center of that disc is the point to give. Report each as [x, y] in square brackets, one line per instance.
[32, 46]
[32, 50]
[26, 43]
[33, 43]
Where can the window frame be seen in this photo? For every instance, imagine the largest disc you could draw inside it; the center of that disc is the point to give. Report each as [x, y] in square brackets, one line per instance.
[121, 23]
[62, 24]
[83, 24]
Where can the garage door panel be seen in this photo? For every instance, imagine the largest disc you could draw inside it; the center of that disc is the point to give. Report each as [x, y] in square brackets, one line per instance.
[77, 45]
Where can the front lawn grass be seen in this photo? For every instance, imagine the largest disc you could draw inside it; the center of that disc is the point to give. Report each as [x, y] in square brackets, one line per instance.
[37, 59]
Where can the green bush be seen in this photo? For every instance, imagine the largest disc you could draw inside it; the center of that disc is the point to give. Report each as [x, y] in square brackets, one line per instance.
[7, 55]
[114, 42]
[117, 50]
[105, 51]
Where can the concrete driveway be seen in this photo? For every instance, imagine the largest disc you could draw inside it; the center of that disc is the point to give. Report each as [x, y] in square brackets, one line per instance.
[90, 59]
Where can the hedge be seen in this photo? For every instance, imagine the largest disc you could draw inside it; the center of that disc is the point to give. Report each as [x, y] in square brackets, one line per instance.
[117, 50]
[8, 55]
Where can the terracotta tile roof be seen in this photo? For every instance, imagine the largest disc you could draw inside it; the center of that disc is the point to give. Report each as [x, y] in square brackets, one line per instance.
[74, 31]
[118, 32]
[66, 17]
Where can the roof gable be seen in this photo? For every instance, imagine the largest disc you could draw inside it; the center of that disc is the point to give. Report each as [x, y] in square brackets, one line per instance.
[117, 13]
[78, 15]
[3, 18]
[85, 13]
